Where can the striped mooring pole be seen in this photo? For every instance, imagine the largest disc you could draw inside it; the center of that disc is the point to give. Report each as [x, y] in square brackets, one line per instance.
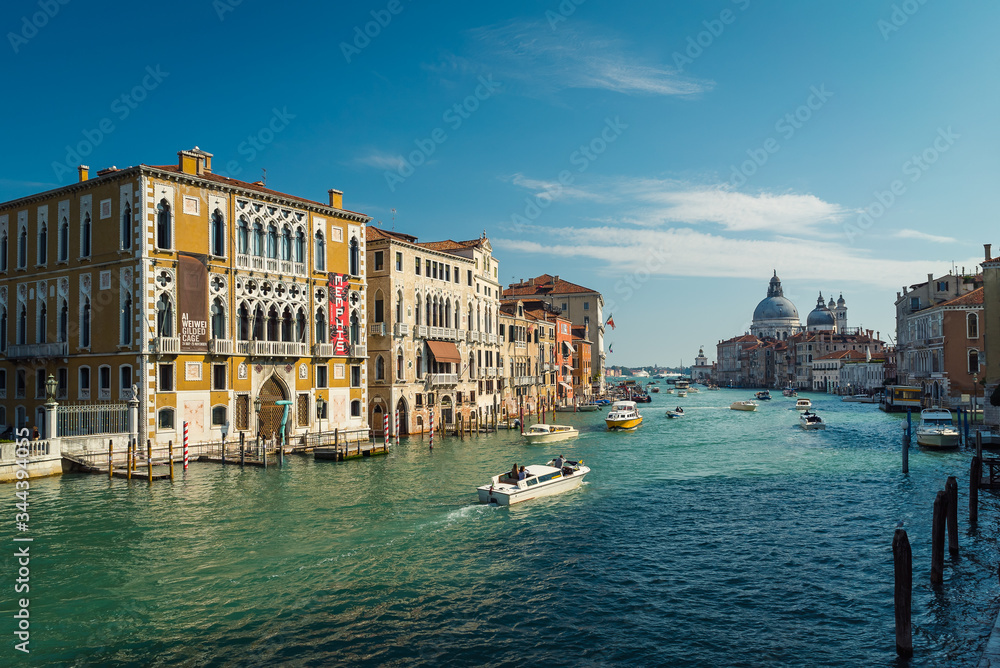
[385, 432]
[432, 430]
[185, 446]
[395, 431]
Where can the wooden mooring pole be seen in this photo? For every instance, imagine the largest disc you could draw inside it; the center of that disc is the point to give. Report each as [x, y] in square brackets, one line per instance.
[149, 461]
[937, 537]
[128, 460]
[170, 456]
[975, 473]
[902, 559]
[906, 449]
[951, 489]
[242, 446]
[979, 445]
[111, 459]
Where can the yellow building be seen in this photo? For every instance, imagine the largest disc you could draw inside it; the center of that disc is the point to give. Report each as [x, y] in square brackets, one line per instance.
[200, 291]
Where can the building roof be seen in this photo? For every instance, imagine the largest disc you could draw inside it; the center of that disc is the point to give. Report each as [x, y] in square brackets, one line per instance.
[374, 233]
[544, 285]
[843, 355]
[974, 298]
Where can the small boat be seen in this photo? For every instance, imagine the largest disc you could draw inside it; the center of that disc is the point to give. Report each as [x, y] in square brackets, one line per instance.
[549, 433]
[588, 407]
[811, 421]
[803, 405]
[623, 415]
[693, 390]
[642, 398]
[676, 413]
[713, 387]
[743, 406]
[602, 402]
[789, 392]
[670, 390]
[682, 393]
[556, 477]
[763, 395]
[936, 429]
[655, 388]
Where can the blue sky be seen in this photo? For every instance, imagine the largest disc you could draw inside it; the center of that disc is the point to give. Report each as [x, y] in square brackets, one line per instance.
[669, 154]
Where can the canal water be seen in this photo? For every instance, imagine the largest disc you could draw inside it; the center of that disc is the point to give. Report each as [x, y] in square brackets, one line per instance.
[723, 538]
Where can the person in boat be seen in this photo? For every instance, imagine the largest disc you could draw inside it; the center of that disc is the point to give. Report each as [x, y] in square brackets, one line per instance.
[522, 474]
[558, 462]
[513, 472]
[679, 409]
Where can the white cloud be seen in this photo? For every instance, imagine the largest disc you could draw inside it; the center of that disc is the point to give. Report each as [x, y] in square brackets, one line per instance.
[382, 160]
[923, 236]
[573, 57]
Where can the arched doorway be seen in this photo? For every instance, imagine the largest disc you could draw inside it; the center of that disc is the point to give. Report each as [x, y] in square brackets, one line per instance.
[271, 391]
[404, 418]
[447, 418]
[378, 419]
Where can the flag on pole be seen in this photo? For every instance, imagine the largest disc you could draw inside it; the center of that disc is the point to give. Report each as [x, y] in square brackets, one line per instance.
[611, 348]
[611, 321]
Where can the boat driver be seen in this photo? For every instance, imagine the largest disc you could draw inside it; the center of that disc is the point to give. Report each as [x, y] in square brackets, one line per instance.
[558, 462]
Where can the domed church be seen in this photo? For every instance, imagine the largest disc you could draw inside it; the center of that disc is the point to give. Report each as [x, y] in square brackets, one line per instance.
[777, 318]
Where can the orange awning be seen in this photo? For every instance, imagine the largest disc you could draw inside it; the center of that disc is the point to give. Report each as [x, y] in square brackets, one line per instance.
[445, 351]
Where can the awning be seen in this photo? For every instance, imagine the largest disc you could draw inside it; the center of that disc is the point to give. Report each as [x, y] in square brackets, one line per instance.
[445, 351]
[566, 386]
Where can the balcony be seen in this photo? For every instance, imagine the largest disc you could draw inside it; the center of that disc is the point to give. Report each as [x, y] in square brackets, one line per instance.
[473, 337]
[401, 329]
[166, 345]
[220, 347]
[442, 333]
[377, 329]
[271, 349]
[421, 331]
[440, 379]
[38, 350]
[323, 350]
[359, 351]
[491, 338]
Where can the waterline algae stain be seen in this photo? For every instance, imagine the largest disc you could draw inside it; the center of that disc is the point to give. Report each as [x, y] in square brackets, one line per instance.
[725, 538]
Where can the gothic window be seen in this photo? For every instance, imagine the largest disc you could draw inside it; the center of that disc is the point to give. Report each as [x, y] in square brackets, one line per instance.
[355, 329]
[3, 250]
[22, 325]
[41, 330]
[244, 317]
[321, 253]
[218, 234]
[355, 257]
[272, 242]
[300, 245]
[126, 320]
[300, 326]
[85, 236]
[43, 243]
[85, 324]
[379, 311]
[321, 336]
[3, 329]
[62, 241]
[416, 312]
[164, 316]
[163, 222]
[243, 236]
[286, 243]
[63, 328]
[22, 249]
[286, 324]
[273, 325]
[258, 239]
[218, 319]
[399, 306]
[126, 230]
[379, 368]
[399, 364]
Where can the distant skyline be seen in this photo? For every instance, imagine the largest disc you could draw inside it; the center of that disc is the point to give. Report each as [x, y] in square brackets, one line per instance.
[670, 154]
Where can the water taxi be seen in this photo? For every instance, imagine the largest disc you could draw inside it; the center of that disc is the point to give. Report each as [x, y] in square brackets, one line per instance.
[670, 390]
[803, 405]
[538, 480]
[682, 393]
[790, 392]
[763, 395]
[623, 415]
[549, 433]
[811, 421]
[936, 429]
[743, 406]
[676, 413]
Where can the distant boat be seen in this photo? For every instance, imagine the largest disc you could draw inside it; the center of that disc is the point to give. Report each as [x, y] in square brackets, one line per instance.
[549, 433]
[811, 421]
[803, 405]
[676, 413]
[743, 406]
[763, 395]
[789, 392]
[641, 374]
[682, 393]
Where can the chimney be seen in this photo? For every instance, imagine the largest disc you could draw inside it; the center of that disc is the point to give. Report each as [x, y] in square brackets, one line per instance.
[987, 248]
[191, 162]
[84, 172]
[930, 278]
[336, 198]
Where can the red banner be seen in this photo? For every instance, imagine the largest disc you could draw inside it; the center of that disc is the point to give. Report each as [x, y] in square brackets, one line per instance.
[339, 289]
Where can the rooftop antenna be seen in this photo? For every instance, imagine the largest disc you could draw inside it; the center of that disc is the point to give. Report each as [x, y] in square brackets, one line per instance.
[264, 178]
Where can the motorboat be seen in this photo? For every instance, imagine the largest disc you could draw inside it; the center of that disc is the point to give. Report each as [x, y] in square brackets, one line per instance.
[670, 390]
[789, 392]
[810, 420]
[713, 387]
[682, 393]
[623, 415]
[655, 388]
[676, 413]
[642, 398]
[936, 429]
[763, 395]
[693, 390]
[743, 406]
[803, 405]
[555, 477]
[549, 433]
[588, 407]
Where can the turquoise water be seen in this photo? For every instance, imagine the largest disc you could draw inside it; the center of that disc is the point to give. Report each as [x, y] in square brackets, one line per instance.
[722, 538]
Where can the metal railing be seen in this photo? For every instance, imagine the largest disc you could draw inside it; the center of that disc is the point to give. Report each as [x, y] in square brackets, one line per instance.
[91, 419]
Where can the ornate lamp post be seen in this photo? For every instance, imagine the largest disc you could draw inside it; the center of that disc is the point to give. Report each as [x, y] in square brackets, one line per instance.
[257, 404]
[320, 412]
[50, 407]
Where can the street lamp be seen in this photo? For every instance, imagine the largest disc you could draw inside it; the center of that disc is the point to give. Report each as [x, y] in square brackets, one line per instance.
[50, 388]
[257, 403]
[320, 411]
[975, 394]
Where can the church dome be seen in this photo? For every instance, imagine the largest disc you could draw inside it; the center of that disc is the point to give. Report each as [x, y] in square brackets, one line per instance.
[775, 306]
[821, 316]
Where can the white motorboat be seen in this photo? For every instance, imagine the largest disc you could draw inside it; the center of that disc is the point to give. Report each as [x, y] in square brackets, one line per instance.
[582, 408]
[623, 415]
[655, 388]
[936, 429]
[549, 433]
[682, 393]
[556, 477]
[676, 413]
[811, 421]
[693, 390]
[803, 404]
[670, 390]
[743, 406]
[790, 392]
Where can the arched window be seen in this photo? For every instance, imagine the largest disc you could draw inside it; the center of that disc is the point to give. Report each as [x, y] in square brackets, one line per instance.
[973, 360]
[379, 368]
[972, 323]
[447, 313]
[218, 234]
[321, 324]
[286, 324]
[286, 243]
[22, 248]
[321, 252]
[469, 312]
[355, 329]
[300, 245]
[273, 324]
[458, 316]
[399, 306]
[356, 408]
[244, 316]
[420, 365]
[43, 243]
[272, 242]
[41, 332]
[355, 257]
[429, 311]
[164, 316]
[3, 250]
[258, 323]
[379, 311]
[218, 319]
[85, 236]
[85, 324]
[416, 312]
[126, 320]
[22, 325]
[220, 415]
[126, 230]
[399, 364]
[300, 326]
[258, 239]
[163, 232]
[242, 236]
